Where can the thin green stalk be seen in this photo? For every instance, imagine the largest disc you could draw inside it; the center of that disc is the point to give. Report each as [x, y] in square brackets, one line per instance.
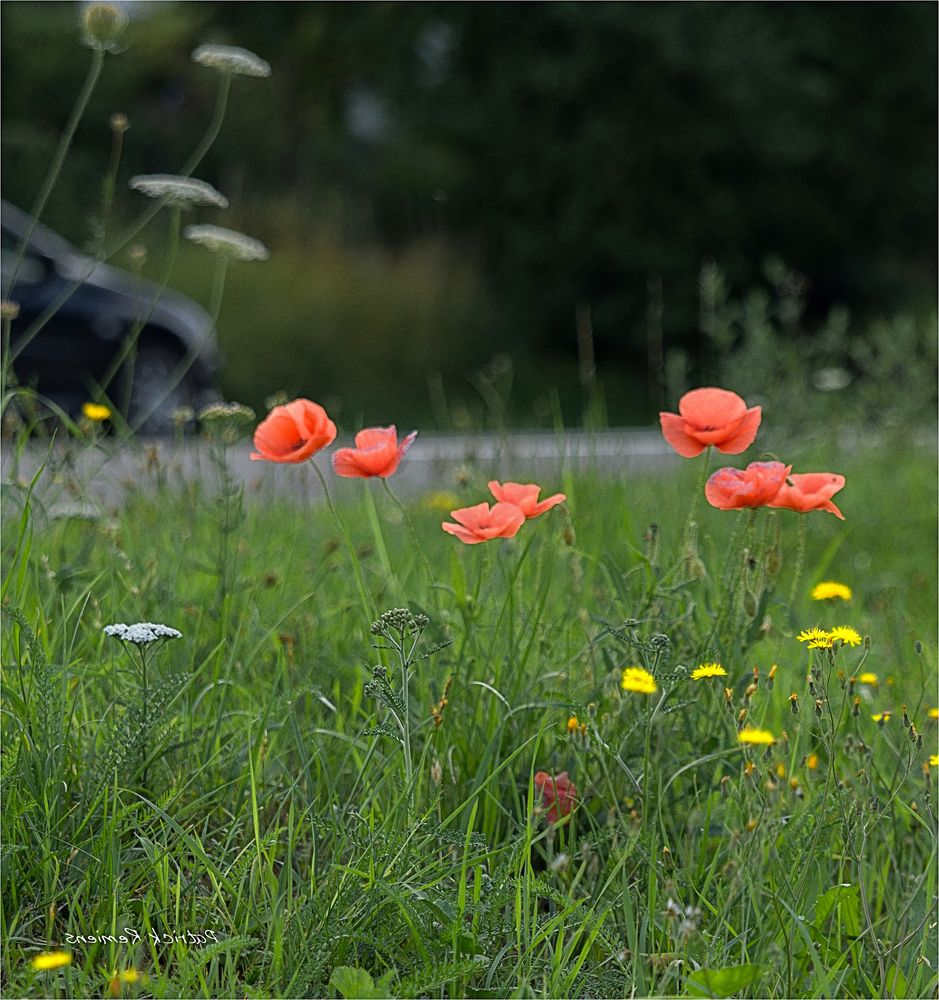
[186, 362]
[377, 533]
[135, 228]
[368, 605]
[108, 186]
[699, 490]
[417, 543]
[58, 161]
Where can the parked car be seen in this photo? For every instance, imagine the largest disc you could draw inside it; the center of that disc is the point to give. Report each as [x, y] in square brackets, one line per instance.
[74, 350]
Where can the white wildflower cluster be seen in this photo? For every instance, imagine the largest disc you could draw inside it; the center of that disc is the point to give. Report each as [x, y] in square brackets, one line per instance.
[141, 633]
[227, 241]
[231, 59]
[177, 190]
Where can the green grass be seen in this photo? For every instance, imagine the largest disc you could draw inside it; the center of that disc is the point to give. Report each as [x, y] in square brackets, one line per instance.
[260, 790]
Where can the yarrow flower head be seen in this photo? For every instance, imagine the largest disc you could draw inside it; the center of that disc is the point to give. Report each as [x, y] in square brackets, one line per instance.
[182, 191]
[231, 59]
[638, 680]
[829, 590]
[708, 670]
[226, 421]
[756, 737]
[228, 242]
[141, 633]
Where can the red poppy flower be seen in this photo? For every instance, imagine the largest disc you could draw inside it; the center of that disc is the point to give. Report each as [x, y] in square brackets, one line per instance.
[809, 491]
[376, 453]
[754, 486]
[711, 417]
[293, 432]
[525, 497]
[558, 793]
[480, 523]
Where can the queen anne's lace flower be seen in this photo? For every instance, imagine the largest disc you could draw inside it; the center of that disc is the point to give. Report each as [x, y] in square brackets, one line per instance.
[141, 633]
[231, 59]
[177, 190]
[227, 241]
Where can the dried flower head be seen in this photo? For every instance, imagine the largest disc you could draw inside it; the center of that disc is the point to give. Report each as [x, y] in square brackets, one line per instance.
[232, 60]
[232, 244]
[177, 190]
[9, 309]
[102, 26]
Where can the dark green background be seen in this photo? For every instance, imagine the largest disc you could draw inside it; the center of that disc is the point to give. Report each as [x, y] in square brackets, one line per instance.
[524, 159]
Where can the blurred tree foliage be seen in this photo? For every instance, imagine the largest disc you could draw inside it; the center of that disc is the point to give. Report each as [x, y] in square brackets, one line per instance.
[579, 152]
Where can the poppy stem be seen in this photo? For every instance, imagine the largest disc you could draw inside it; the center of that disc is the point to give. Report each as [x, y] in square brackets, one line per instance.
[417, 542]
[367, 603]
[699, 489]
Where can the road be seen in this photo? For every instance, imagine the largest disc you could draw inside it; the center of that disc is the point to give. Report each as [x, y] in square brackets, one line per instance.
[80, 480]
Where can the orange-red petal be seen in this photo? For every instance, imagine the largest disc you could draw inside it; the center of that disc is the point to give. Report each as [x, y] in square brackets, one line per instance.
[525, 497]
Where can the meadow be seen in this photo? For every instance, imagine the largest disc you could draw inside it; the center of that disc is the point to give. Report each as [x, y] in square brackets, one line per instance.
[349, 775]
[666, 733]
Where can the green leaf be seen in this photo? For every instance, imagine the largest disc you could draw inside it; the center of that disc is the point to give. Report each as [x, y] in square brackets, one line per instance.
[357, 984]
[721, 982]
[896, 983]
[844, 899]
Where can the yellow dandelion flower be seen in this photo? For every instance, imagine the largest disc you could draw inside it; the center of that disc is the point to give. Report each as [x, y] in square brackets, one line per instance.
[96, 412]
[829, 590]
[780, 770]
[933, 713]
[759, 737]
[130, 976]
[51, 960]
[868, 678]
[638, 680]
[573, 724]
[811, 762]
[846, 635]
[708, 670]
[810, 634]
[441, 500]
[825, 641]
[881, 717]
[934, 760]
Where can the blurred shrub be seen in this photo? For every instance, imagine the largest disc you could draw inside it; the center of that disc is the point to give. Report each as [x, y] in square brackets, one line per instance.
[879, 374]
[358, 329]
